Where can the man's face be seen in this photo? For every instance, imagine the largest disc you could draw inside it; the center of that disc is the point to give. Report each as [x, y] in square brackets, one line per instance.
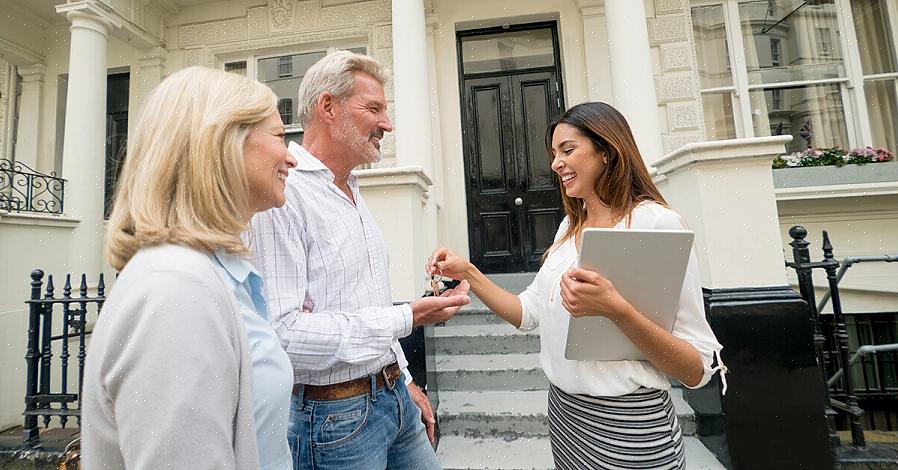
[362, 119]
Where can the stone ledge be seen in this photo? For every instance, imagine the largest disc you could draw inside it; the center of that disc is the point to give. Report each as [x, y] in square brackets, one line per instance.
[39, 220]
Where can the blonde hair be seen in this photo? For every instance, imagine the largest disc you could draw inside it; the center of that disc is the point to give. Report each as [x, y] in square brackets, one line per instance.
[334, 74]
[184, 181]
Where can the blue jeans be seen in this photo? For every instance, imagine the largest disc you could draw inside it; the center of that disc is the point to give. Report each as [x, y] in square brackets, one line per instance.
[367, 432]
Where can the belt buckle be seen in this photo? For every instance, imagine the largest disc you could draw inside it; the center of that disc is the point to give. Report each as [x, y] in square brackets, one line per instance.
[390, 383]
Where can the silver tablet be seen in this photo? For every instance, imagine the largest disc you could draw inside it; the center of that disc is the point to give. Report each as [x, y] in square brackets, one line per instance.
[647, 267]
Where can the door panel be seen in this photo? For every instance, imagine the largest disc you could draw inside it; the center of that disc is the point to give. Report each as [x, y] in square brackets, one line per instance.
[514, 206]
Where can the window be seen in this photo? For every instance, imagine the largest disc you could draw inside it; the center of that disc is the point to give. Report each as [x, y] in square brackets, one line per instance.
[775, 52]
[788, 73]
[824, 42]
[283, 74]
[776, 101]
[238, 67]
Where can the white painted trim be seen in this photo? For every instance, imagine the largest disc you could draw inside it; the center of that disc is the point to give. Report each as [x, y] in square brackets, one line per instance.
[837, 190]
[739, 70]
[396, 176]
[38, 220]
[23, 54]
[856, 114]
[792, 219]
[722, 150]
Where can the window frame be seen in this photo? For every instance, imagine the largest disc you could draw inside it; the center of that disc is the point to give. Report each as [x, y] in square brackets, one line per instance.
[851, 86]
[252, 60]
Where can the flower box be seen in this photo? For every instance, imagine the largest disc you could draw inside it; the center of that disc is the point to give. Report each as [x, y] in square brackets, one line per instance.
[831, 175]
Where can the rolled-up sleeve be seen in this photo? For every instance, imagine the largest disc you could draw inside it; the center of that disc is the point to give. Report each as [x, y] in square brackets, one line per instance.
[691, 325]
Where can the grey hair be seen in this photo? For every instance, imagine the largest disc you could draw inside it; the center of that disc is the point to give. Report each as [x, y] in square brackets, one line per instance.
[334, 74]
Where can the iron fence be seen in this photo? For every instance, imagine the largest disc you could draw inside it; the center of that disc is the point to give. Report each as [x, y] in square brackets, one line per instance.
[50, 391]
[22, 189]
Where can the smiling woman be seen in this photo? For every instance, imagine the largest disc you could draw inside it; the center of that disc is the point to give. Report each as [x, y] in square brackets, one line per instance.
[187, 317]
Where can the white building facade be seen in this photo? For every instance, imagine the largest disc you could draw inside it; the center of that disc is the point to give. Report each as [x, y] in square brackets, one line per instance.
[707, 87]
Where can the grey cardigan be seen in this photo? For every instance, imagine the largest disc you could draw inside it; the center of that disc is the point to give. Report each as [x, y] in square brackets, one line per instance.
[168, 377]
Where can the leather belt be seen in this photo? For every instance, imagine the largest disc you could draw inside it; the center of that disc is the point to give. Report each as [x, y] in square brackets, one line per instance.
[351, 388]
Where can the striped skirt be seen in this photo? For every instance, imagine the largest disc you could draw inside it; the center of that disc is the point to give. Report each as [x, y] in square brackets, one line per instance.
[639, 430]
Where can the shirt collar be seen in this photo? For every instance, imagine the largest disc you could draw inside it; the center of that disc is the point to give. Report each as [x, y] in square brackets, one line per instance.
[305, 161]
[237, 267]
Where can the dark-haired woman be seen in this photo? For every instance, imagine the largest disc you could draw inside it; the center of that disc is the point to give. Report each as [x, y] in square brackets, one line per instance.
[603, 414]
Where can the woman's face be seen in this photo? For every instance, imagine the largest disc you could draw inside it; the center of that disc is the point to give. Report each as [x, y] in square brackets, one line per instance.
[266, 161]
[576, 161]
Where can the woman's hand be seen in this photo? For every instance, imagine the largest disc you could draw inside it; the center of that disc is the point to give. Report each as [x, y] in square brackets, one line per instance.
[588, 293]
[448, 264]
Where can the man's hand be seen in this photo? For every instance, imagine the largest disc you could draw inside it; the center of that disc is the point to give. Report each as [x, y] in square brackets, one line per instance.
[420, 399]
[430, 310]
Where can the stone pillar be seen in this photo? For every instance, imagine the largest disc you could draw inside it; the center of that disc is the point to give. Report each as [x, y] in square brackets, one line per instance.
[411, 106]
[595, 44]
[724, 190]
[28, 136]
[85, 138]
[632, 75]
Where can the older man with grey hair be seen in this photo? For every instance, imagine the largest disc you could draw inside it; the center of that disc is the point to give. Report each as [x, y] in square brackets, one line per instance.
[326, 270]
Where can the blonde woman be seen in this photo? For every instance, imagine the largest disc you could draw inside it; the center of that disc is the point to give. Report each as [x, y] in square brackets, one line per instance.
[183, 369]
[603, 414]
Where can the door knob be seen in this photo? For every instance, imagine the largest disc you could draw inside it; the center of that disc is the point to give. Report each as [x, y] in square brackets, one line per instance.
[518, 201]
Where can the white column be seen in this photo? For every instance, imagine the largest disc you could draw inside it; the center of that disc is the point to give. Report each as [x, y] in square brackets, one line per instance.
[411, 104]
[29, 124]
[632, 75]
[724, 190]
[85, 139]
[595, 45]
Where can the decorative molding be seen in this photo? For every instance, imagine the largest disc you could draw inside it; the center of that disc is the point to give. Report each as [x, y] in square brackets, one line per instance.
[837, 190]
[107, 15]
[297, 38]
[591, 7]
[383, 37]
[676, 88]
[385, 57]
[193, 57]
[663, 7]
[308, 15]
[357, 13]
[683, 116]
[281, 14]
[674, 142]
[138, 11]
[22, 53]
[332, 3]
[676, 57]
[669, 29]
[38, 220]
[257, 21]
[216, 31]
[32, 73]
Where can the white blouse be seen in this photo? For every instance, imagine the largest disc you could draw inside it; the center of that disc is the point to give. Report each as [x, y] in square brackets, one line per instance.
[542, 307]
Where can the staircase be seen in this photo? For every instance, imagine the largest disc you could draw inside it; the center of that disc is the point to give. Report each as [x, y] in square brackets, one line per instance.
[493, 394]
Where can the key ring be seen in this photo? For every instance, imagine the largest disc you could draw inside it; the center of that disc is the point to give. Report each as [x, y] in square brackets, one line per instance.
[435, 280]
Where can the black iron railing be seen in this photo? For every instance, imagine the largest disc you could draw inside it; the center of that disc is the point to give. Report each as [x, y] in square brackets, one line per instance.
[50, 391]
[23, 189]
[830, 333]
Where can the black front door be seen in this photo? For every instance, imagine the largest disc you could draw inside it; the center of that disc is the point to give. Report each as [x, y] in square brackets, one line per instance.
[514, 204]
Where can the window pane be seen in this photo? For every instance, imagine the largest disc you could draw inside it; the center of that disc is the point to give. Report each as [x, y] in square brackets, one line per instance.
[508, 51]
[238, 67]
[711, 46]
[882, 107]
[871, 24]
[812, 115]
[718, 110]
[790, 40]
[283, 74]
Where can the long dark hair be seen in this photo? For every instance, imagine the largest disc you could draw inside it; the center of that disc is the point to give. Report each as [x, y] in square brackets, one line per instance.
[624, 182]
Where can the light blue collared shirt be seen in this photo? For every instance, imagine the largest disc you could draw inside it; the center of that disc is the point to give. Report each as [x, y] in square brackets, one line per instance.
[272, 373]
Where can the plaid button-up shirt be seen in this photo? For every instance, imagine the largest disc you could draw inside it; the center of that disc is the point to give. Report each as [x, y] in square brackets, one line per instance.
[322, 252]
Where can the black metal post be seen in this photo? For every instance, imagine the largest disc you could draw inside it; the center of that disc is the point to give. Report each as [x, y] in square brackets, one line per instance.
[46, 347]
[841, 336]
[64, 357]
[802, 257]
[30, 434]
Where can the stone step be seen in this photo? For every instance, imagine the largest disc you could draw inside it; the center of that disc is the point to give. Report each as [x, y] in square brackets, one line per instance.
[509, 372]
[484, 339]
[503, 414]
[456, 453]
